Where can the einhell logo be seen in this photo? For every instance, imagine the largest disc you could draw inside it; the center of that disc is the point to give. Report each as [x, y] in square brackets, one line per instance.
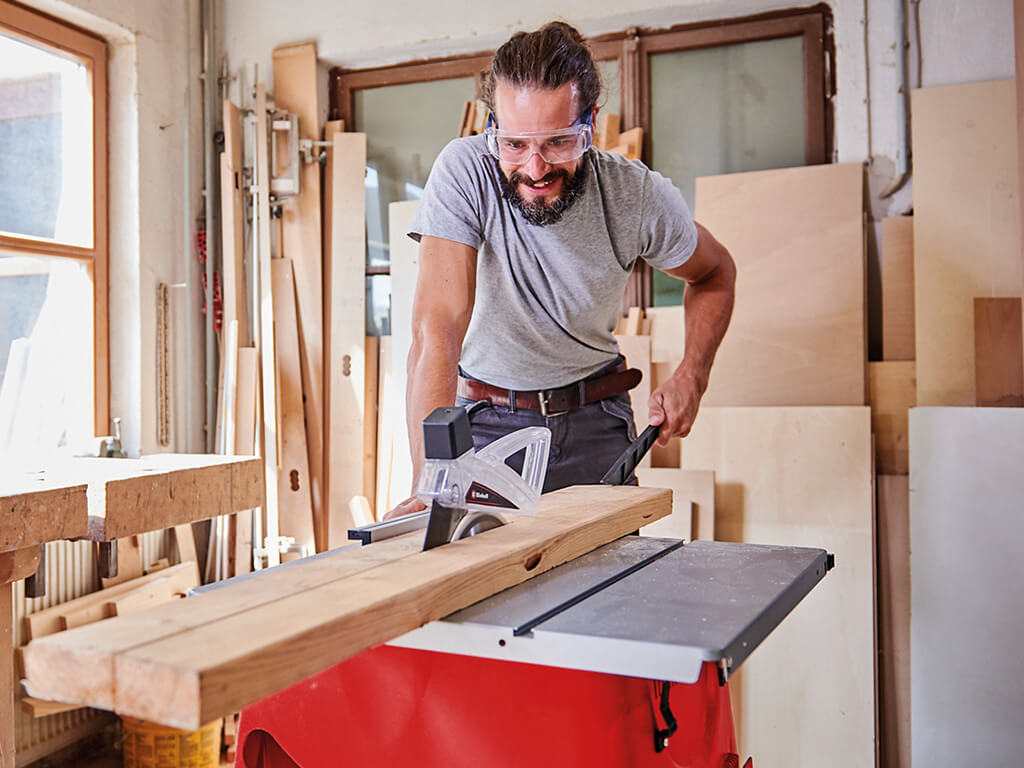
[484, 496]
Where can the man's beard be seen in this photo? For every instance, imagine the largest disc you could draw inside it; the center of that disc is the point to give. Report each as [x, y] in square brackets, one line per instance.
[540, 212]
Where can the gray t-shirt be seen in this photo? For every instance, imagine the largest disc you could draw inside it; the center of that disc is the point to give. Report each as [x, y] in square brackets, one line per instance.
[548, 297]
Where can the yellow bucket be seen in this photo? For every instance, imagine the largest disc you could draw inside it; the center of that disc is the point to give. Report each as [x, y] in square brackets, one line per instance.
[148, 745]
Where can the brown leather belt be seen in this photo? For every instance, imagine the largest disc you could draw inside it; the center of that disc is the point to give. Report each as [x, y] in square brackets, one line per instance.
[552, 402]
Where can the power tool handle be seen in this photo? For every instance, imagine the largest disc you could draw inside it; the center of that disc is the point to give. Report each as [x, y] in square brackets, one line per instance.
[633, 455]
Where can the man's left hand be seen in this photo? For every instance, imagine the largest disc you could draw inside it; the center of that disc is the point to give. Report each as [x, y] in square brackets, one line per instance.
[673, 405]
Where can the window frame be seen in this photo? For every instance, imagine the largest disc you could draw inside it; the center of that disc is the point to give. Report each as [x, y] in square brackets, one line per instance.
[632, 48]
[50, 33]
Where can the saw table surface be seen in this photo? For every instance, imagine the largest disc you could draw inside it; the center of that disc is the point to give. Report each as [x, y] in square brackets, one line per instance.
[683, 605]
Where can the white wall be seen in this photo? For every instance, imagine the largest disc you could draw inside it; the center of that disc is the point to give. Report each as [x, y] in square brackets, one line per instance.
[146, 88]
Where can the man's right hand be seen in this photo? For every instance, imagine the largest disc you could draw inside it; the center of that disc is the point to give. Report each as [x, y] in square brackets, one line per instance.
[407, 507]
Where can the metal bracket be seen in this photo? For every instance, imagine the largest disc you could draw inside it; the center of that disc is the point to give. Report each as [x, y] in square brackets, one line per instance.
[281, 545]
[284, 146]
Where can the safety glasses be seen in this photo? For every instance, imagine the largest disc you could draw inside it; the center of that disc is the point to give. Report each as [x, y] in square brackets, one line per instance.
[554, 147]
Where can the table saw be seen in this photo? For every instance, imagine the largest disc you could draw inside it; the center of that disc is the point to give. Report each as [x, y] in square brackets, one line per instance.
[618, 657]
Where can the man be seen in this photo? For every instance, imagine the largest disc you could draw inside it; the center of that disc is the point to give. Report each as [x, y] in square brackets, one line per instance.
[527, 238]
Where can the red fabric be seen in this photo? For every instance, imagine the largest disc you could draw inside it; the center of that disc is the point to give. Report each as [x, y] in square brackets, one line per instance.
[394, 707]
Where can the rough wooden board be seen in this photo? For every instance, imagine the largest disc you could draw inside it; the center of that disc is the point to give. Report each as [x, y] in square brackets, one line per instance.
[147, 652]
[998, 352]
[36, 508]
[370, 420]
[966, 231]
[693, 510]
[18, 564]
[295, 91]
[802, 477]
[892, 386]
[40, 708]
[798, 332]
[893, 533]
[345, 313]
[966, 487]
[404, 271]
[898, 288]
[47, 621]
[156, 592]
[386, 417]
[637, 350]
[294, 486]
[7, 681]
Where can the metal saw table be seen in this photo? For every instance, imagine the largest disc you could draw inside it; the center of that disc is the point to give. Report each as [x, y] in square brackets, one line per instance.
[636, 610]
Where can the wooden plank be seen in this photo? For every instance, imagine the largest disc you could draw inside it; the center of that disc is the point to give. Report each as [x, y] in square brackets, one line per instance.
[37, 507]
[637, 351]
[404, 270]
[797, 335]
[668, 334]
[893, 529]
[998, 352]
[294, 485]
[607, 135]
[801, 477]
[693, 505]
[185, 542]
[631, 325]
[1018, 55]
[245, 445]
[129, 563]
[41, 708]
[154, 593]
[7, 678]
[893, 392]
[345, 324]
[966, 487]
[370, 395]
[965, 171]
[19, 564]
[295, 91]
[898, 288]
[47, 621]
[268, 366]
[147, 652]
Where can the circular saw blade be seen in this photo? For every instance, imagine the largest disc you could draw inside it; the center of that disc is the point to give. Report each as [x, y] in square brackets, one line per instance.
[476, 522]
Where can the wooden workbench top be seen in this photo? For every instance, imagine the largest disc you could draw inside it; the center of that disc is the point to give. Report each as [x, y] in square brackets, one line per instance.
[35, 509]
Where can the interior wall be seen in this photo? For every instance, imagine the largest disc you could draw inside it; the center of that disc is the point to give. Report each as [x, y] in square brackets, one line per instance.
[146, 141]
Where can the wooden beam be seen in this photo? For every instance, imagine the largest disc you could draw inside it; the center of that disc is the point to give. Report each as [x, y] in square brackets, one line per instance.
[294, 489]
[183, 668]
[387, 416]
[36, 508]
[129, 563]
[245, 445]
[998, 352]
[370, 420]
[295, 91]
[345, 323]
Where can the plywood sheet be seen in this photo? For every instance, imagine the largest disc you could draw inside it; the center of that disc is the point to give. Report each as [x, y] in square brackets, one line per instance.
[184, 667]
[668, 334]
[345, 312]
[898, 288]
[404, 271]
[966, 231]
[797, 335]
[998, 352]
[893, 533]
[892, 393]
[693, 502]
[295, 91]
[802, 477]
[966, 486]
[294, 485]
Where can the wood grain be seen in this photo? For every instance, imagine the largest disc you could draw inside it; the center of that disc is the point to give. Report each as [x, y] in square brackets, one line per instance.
[801, 477]
[175, 667]
[898, 288]
[966, 226]
[295, 91]
[693, 502]
[19, 564]
[998, 352]
[36, 508]
[294, 481]
[345, 311]
[892, 393]
[797, 335]
[894, 619]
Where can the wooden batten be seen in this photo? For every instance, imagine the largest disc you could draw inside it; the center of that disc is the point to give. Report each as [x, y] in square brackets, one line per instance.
[345, 314]
[238, 644]
[892, 386]
[898, 288]
[370, 420]
[293, 477]
[998, 352]
[295, 91]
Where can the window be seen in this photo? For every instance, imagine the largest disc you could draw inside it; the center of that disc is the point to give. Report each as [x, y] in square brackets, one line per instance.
[715, 97]
[54, 374]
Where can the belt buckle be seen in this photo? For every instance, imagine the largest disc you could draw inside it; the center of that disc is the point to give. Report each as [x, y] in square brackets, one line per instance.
[543, 397]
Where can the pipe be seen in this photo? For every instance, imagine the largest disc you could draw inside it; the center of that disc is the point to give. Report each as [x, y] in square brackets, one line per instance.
[902, 125]
[212, 204]
[190, 301]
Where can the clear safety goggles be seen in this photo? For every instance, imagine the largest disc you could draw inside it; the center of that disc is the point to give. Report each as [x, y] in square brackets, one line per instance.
[554, 147]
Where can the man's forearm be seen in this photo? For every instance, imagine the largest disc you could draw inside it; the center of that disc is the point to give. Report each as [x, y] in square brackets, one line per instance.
[708, 309]
[433, 368]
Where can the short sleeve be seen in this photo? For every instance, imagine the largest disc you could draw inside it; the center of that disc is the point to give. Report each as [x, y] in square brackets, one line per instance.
[668, 234]
[451, 206]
